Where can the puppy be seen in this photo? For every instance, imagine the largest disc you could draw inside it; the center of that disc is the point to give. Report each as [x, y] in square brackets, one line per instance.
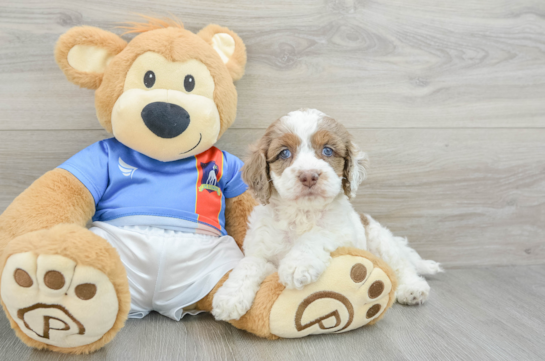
[303, 171]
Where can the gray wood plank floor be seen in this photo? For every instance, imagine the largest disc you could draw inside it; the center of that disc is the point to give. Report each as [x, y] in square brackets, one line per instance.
[473, 314]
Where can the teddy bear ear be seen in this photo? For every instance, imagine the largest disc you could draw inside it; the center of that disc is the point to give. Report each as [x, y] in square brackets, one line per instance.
[229, 46]
[84, 52]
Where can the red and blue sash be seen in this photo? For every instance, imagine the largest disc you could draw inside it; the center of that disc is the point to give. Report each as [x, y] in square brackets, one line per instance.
[208, 199]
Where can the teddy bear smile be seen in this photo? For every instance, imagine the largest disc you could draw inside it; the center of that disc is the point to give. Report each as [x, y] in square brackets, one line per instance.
[196, 145]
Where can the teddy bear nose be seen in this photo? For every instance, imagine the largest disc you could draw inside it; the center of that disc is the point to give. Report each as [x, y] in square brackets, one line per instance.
[166, 120]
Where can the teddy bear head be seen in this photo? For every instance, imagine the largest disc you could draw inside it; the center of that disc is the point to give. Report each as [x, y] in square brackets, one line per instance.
[168, 93]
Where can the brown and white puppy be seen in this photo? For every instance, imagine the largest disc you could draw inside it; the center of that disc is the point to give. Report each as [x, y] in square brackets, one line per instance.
[304, 170]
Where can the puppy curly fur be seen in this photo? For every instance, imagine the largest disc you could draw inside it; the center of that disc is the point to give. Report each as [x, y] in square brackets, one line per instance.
[300, 222]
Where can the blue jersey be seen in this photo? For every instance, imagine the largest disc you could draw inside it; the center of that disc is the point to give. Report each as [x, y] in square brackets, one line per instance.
[130, 188]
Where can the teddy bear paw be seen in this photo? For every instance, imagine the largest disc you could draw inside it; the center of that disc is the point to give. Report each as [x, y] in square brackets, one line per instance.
[56, 301]
[355, 290]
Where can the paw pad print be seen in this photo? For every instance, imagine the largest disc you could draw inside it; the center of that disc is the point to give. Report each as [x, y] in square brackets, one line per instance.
[56, 301]
[351, 293]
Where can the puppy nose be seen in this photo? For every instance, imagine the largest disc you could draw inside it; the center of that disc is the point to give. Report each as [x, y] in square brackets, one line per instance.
[166, 120]
[309, 178]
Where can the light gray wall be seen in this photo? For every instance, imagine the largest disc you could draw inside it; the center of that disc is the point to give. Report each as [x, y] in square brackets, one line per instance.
[447, 97]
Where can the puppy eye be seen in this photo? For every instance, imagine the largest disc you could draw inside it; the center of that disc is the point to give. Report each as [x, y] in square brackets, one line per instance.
[285, 154]
[149, 79]
[328, 152]
[189, 83]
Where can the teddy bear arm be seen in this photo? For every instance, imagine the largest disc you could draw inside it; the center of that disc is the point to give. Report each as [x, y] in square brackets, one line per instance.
[237, 211]
[54, 198]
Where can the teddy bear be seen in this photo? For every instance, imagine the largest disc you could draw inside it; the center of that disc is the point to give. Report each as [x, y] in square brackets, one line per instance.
[169, 209]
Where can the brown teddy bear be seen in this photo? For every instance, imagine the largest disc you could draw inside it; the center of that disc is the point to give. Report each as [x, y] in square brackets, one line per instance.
[169, 209]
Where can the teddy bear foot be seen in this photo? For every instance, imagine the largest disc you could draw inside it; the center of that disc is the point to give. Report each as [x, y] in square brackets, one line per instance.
[59, 302]
[56, 301]
[355, 290]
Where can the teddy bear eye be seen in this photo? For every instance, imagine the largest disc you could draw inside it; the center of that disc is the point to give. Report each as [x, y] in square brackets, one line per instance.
[189, 83]
[149, 79]
[328, 152]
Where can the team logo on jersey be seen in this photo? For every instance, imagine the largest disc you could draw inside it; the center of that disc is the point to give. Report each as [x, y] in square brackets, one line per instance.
[209, 180]
[127, 170]
[208, 195]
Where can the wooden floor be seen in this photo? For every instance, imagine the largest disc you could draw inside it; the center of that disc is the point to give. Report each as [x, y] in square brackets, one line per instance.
[473, 314]
[448, 99]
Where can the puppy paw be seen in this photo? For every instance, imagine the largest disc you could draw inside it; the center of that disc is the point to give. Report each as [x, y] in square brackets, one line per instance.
[428, 267]
[415, 293]
[299, 273]
[230, 304]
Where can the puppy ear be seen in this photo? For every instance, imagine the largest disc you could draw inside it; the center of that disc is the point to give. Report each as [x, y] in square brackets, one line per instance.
[255, 173]
[229, 47]
[355, 164]
[84, 52]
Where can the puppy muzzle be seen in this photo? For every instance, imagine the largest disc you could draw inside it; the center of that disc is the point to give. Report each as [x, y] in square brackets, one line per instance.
[309, 178]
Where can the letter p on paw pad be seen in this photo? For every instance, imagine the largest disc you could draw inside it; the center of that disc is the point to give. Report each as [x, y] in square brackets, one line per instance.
[56, 301]
[353, 291]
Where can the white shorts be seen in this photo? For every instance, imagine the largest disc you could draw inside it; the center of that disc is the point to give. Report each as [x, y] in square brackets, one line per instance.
[169, 270]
